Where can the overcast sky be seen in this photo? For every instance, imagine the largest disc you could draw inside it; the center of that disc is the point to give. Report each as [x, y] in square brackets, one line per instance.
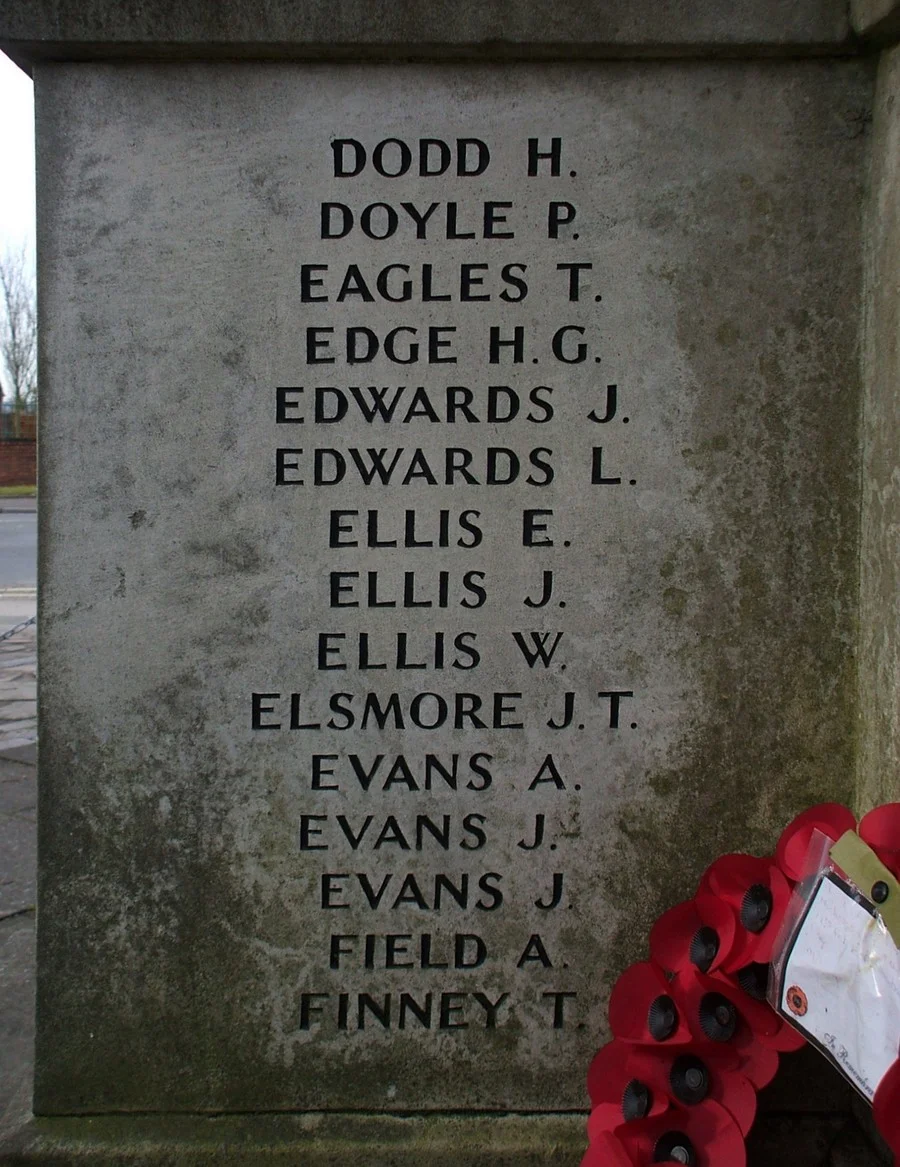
[16, 157]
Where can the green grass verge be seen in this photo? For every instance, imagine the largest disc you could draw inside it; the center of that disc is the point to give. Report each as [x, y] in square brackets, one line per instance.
[17, 491]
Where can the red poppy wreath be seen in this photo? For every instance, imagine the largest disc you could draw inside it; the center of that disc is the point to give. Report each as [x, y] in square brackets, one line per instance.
[769, 954]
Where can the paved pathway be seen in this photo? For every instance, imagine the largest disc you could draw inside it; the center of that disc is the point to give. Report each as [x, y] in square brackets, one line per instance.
[18, 865]
[18, 681]
[18, 874]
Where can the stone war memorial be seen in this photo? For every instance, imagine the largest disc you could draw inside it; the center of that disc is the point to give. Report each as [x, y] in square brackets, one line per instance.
[468, 505]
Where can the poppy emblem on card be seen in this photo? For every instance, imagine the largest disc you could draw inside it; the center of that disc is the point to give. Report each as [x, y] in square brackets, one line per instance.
[796, 1001]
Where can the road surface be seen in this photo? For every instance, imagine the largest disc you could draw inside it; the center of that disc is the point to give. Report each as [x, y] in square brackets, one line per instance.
[18, 566]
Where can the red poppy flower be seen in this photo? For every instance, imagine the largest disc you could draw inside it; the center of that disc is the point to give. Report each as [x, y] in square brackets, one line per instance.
[614, 1069]
[757, 1062]
[699, 932]
[715, 1006]
[685, 1077]
[670, 936]
[642, 1009]
[880, 828]
[707, 1133]
[830, 818]
[607, 1067]
[797, 1001]
[758, 893]
[607, 1151]
[694, 1035]
[605, 1118]
[785, 1039]
[737, 1095]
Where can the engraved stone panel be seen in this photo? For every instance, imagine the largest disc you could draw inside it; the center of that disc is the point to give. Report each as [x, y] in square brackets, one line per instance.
[449, 479]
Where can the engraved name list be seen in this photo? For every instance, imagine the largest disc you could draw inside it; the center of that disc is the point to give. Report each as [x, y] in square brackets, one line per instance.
[456, 445]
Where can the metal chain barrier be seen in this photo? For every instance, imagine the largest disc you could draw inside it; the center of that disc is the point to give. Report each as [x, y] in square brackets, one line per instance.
[18, 628]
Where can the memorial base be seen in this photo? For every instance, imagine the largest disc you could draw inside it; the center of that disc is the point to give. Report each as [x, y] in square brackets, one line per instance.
[340, 1139]
[323, 1140]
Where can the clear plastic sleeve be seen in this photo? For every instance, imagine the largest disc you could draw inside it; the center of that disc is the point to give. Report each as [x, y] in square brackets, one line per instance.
[835, 973]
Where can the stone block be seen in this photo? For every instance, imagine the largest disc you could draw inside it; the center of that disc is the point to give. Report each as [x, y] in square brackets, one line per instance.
[876, 20]
[879, 673]
[326, 1140]
[410, 887]
[464, 555]
[72, 29]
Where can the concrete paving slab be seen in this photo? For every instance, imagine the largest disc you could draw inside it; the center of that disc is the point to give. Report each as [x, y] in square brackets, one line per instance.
[16, 606]
[18, 874]
[18, 689]
[17, 965]
[18, 827]
[18, 709]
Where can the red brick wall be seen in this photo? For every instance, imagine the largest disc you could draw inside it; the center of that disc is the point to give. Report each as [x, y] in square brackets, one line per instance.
[23, 426]
[18, 463]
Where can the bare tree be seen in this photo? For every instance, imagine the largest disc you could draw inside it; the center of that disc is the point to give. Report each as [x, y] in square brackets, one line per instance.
[18, 335]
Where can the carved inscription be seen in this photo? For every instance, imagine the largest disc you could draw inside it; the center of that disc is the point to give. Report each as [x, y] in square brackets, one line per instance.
[434, 733]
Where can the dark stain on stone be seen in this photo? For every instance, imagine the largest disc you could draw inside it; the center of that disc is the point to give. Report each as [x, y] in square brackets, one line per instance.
[769, 730]
[237, 627]
[105, 231]
[137, 519]
[183, 483]
[237, 556]
[233, 356]
[254, 614]
[123, 478]
[266, 188]
[92, 160]
[675, 601]
[169, 936]
[859, 123]
[230, 502]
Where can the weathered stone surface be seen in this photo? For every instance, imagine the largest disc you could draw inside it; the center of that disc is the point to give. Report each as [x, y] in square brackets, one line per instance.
[320, 1139]
[18, 798]
[799, 1139]
[17, 971]
[807, 1141]
[18, 807]
[720, 207]
[876, 19]
[68, 29]
[16, 1019]
[806, 1084]
[334, 1140]
[852, 1149]
[867, 1136]
[879, 608]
